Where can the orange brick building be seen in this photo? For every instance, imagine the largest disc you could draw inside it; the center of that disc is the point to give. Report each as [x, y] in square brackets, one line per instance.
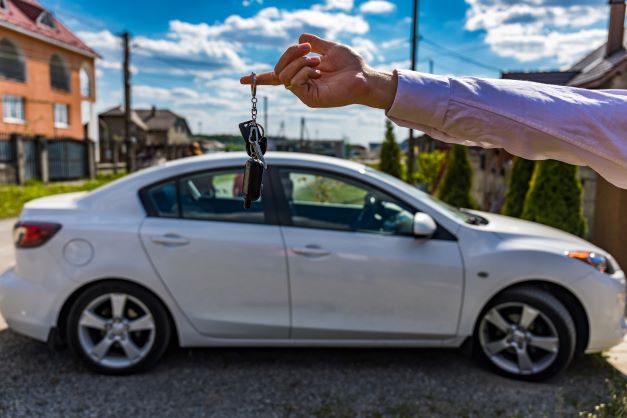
[47, 75]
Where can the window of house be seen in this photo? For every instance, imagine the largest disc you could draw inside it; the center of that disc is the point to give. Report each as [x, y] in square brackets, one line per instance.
[13, 109]
[46, 19]
[59, 74]
[328, 201]
[12, 65]
[85, 82]
[61, 117]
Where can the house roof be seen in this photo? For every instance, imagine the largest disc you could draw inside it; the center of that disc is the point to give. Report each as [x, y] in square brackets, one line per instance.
[160, 120]
[24, 16]
[118, 111]
[591, 71]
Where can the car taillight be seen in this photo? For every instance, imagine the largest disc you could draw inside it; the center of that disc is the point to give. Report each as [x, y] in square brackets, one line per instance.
[33, 234]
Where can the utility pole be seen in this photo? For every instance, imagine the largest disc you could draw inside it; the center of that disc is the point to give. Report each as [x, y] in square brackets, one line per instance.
[128, 140]
[265, 114]
[431, 65]
[411, 156]
[302, 132]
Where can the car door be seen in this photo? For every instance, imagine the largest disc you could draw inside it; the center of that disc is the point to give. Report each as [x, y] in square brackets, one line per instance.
[224, 265]
[356, 271]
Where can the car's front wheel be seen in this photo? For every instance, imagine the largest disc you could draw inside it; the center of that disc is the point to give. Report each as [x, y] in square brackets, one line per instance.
[526, 333]
[118, 328]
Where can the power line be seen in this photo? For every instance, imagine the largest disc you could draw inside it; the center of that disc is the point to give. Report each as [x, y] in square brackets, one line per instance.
[458, 55]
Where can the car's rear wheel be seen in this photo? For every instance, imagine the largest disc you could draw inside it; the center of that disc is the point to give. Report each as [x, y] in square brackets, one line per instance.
[526, 333]
[118, 328]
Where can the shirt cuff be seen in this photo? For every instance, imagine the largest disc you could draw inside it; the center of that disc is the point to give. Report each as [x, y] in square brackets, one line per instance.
[421, 98]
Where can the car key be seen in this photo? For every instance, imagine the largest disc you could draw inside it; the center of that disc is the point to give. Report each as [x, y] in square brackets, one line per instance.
[256, 146]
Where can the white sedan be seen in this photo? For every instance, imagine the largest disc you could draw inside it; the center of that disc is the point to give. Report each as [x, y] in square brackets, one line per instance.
[334, 254]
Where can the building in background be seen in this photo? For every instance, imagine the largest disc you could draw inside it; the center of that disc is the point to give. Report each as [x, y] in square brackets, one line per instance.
[603, 68]
[328, 147]
[47, 75]
[153, 129]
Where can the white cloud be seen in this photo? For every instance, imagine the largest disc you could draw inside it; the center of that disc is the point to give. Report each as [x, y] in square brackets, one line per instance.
[247, 3]
[528, 30]
[345, 5]
[366, 48]
[377, 7]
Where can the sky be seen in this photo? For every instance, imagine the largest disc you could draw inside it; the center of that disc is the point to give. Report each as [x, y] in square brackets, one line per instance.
[188, 55]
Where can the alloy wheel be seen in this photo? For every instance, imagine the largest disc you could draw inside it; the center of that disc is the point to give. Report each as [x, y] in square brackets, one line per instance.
[518, 338]
[116, 330]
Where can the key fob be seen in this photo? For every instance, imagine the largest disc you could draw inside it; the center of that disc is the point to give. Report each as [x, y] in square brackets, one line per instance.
[253, 176]
[245, 128]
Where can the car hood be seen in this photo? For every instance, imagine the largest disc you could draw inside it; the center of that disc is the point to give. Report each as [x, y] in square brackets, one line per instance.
[538, 235]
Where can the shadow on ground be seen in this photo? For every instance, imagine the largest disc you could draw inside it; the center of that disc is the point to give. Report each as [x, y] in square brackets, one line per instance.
[37, 381]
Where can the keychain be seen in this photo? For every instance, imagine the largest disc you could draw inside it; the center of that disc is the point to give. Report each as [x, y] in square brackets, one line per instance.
[256, 146]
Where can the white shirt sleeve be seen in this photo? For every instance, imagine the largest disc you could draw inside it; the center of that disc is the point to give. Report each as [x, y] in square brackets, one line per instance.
[531, 120]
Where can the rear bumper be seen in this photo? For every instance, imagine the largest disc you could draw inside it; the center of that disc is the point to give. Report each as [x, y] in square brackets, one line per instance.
[26, 306]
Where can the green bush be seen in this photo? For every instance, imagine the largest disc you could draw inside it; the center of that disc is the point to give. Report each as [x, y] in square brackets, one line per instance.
[522, 170]
[457, 181]
[555, 197]
[390, 153]
[428, 166]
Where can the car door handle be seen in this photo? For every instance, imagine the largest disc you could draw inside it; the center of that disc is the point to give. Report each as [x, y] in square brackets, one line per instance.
[170, 240]
[311, 251]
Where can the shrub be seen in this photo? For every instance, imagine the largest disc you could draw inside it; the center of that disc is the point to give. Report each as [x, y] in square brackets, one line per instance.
[428, 166]
[457, 181]
[390, 153]
[522, 170]
[555, 197]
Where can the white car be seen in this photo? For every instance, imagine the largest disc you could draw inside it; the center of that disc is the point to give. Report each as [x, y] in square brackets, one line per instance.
[334, 254]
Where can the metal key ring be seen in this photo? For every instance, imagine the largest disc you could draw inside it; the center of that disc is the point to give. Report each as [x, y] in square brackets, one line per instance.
[253, 84]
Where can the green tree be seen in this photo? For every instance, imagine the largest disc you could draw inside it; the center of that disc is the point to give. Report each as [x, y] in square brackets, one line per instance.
[457, 181]
[390, 153]
[428, 166]
[555, 197]
[519, 179]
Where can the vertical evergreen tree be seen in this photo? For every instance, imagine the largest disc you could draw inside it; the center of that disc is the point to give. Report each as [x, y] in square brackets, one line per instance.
[522, 170]
[457, 181]
[555, 197]
[390, 152]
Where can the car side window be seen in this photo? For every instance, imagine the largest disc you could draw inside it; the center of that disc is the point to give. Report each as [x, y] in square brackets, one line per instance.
[217, 196]
[163, 199]
[329, 201]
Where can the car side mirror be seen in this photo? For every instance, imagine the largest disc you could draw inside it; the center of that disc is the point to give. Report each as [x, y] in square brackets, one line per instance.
[424, 225]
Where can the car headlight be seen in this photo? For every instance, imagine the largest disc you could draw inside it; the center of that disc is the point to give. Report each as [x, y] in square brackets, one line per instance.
[596, 260]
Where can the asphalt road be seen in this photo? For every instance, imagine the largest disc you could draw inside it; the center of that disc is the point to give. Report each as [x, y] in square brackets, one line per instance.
[37, 381]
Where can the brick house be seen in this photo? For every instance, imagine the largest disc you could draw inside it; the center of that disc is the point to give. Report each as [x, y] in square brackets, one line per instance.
[47, 75]
[603, 68]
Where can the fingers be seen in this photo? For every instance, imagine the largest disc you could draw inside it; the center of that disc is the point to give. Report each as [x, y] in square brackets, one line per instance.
[269, 79]
[318, 45]
[290, 55]
[304, 75]
[294, 67]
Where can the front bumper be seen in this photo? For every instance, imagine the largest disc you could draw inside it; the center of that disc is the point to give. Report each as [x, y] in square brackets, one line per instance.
[26, 307]
[603, 297]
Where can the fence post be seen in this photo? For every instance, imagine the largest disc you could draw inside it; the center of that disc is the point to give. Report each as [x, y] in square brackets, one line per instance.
[19, 163]
[90, 158]
[42, 159]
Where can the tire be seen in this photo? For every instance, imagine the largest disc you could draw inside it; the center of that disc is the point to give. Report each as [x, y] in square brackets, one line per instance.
[118, 328]
[535, 342]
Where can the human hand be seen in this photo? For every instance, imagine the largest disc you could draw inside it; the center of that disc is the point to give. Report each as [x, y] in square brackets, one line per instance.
[338, 77]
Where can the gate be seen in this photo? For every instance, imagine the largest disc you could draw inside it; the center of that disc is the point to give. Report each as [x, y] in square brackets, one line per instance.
[67, 159]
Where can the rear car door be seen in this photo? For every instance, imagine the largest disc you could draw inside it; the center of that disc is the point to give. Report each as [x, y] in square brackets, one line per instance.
[224, 265]
[356, 271]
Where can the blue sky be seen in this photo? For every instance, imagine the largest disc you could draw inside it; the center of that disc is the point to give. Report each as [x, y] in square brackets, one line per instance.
[188, 55]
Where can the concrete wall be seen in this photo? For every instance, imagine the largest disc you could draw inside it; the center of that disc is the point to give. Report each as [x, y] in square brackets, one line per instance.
[39, 96]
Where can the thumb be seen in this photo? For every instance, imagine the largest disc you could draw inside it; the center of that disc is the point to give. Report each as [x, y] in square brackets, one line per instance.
[318, 45]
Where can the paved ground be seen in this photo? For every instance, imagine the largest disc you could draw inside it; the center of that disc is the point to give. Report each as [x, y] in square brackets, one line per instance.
[36, 381]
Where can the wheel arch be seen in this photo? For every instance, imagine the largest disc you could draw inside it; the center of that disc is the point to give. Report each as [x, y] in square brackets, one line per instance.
[570, 301]
[59, 337]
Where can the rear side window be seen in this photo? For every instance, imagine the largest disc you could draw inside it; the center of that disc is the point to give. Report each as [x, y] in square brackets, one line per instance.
[163, 199]
[217, 196]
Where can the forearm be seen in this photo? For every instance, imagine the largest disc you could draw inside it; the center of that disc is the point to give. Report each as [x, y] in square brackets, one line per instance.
[531, 120]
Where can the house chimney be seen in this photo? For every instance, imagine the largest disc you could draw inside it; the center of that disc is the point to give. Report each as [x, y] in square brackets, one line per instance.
[153, 111]
[617, 27]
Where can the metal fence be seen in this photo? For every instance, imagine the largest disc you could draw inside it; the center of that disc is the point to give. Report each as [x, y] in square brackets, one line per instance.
[24, 158]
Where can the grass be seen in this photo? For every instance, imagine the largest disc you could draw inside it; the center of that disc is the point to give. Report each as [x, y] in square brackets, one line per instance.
[616, 404]
[13, 198]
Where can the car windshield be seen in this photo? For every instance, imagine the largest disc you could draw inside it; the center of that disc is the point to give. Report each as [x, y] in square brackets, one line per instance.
[460, 214]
